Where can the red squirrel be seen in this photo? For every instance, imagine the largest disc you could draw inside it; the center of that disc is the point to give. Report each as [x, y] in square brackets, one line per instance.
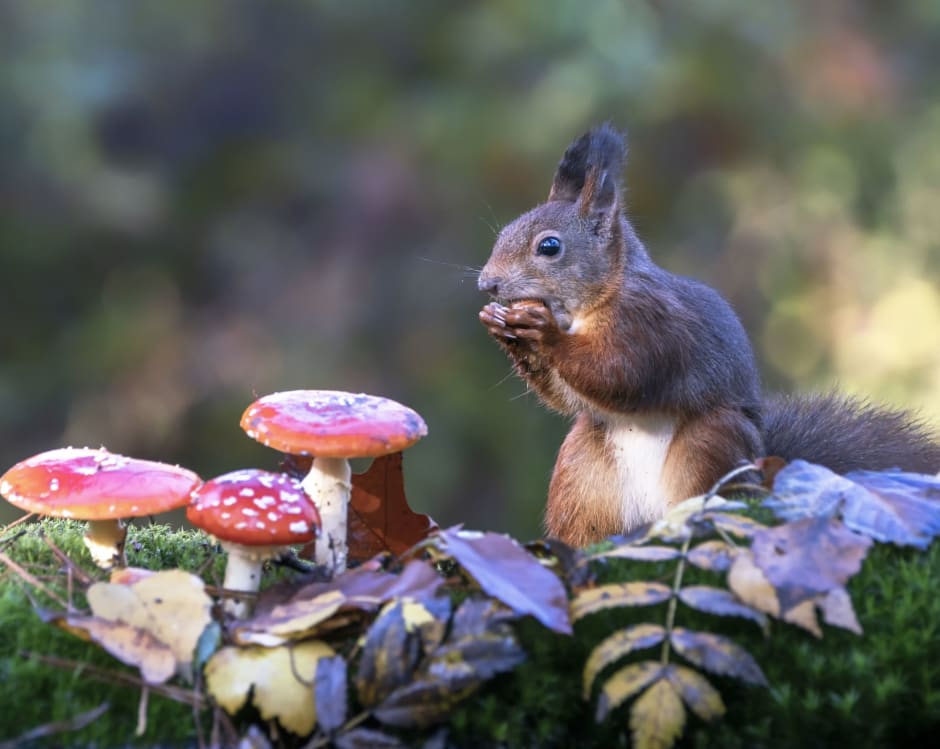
[655, 368]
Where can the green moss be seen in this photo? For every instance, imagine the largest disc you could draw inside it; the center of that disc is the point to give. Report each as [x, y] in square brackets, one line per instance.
[880, 689]
[34, 693]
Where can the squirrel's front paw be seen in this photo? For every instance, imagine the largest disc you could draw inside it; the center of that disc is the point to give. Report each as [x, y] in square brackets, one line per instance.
[526, 320]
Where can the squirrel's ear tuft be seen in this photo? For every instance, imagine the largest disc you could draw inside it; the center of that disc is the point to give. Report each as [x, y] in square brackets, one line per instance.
[589, 172]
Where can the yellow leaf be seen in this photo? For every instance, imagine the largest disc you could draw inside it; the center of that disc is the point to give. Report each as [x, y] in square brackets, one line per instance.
[291, 621]
[129, 644]
[624, 684]
[748, 582]
[804, 615]
[270, 675]
[616, 595]
[171, 605]
[657, 717]
[696, 692]
[675, 524]
[616, 646]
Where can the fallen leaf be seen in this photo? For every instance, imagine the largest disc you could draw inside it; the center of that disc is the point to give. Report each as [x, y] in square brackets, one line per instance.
[367, 738]
[717, 654]
[750, 584]
[316, 606]
[640, 553]
[804, 615]
[616, 646]
[696, 692]
[837, 610]
[172, 605]
[739, 525]
[657, 717]
[270, 677]
[329, 692]
[714, 556]
[807, 557]
[625, 683]
[615, 595]
[509, 573]
[888, 506]
[390, 655]
[675, 524]
[719, 602]
[130, 645]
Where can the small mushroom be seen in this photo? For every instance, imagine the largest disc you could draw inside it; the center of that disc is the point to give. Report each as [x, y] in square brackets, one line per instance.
[255, 515]
[332, 427]
[100, 487]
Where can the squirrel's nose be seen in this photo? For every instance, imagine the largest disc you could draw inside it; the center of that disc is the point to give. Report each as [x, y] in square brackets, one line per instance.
[488, 283]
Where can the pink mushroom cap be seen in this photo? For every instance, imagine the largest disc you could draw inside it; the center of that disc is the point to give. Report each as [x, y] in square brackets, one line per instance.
[332, 424]
[95, 484]
[255, 508]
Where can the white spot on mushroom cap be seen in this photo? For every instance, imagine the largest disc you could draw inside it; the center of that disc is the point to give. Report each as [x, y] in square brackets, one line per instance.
[299, 526]
[249, 512]
[247, 492]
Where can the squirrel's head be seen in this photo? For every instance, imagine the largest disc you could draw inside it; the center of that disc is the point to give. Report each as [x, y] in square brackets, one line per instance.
[567, 251]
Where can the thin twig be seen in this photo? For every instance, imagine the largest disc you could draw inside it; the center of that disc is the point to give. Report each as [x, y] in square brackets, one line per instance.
[353, 722]
[60, 726]
[69, 564]
[142, 711]
[25, 519]
[31, 579]
[185, 696]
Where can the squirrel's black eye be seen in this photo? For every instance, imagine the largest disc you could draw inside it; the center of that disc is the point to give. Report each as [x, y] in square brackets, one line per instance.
[549, 247]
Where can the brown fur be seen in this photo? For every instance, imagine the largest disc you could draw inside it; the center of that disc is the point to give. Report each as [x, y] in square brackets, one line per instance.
[603, 334]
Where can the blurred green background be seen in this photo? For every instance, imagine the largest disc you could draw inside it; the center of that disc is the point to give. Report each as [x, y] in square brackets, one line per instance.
[204, 202]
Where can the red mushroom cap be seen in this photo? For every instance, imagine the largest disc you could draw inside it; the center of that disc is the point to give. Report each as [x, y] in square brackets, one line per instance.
[332, 424]
[89, 484]
[255, 508]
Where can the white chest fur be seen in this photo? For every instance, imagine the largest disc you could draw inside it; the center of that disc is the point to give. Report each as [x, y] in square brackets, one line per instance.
[639, 444]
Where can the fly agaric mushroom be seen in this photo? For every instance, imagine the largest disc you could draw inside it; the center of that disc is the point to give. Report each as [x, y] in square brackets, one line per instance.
[255, 515]
[332, 426]
[100, 487]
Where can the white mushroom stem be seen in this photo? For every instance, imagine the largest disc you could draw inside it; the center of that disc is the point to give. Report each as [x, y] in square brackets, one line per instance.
[105, 542]
[328, 484]
[243, 572]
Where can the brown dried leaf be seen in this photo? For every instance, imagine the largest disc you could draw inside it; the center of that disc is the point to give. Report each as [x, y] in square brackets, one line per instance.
[616, 595]
[619, 644]
[379, 516]
[807, 557]
[657, 717]
[625, 683]
[717, 654]
[701, 697]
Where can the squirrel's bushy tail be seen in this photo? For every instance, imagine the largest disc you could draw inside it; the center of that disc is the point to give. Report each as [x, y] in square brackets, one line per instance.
[845, 434]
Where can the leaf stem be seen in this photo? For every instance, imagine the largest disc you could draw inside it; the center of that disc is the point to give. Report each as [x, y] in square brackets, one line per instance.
[674, 599]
